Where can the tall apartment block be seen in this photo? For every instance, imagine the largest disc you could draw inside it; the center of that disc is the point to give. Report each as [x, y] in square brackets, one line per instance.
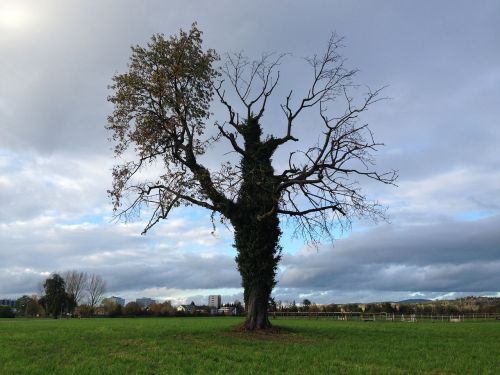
[214, 301]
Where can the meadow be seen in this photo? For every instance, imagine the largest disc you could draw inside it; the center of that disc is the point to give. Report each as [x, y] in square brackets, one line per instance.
[213, 346]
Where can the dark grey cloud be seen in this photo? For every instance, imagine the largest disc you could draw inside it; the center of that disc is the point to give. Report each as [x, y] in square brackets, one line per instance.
[54, 85]
[449, 256]
[181, 271]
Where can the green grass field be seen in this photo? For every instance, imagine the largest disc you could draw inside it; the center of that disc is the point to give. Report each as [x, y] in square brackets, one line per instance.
[212, 346]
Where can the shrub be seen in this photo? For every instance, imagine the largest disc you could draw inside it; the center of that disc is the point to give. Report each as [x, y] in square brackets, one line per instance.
[6, 312]
[86, 311]
[133, 309]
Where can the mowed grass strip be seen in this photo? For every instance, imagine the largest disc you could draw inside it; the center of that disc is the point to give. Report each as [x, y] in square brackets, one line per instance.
[212, 345]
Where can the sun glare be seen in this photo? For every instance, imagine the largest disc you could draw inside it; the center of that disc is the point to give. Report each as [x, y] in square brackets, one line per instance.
[14, 16]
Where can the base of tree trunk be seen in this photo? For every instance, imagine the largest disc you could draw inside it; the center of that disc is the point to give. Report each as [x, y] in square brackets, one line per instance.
[270, 330]
[257, 321]
[257, 315]
[250, 326]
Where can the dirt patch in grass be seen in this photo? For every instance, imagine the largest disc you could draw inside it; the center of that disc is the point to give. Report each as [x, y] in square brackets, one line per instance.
[275, 334]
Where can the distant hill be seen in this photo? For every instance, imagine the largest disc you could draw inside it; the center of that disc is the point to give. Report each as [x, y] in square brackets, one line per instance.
[415, 300]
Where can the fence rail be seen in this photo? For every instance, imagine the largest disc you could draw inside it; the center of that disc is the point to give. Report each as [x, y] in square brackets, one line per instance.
[383, 316]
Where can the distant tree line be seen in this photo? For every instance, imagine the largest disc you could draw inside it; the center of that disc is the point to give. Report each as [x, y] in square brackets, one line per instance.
[468, 305]
[79, 294]
[60, 295]
[305, 306]
[112, 309]
[75, 293]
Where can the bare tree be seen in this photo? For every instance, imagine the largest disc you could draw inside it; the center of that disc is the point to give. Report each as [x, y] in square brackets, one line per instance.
[76, 282]
[40, 290]
[162, 107]
[96, 288]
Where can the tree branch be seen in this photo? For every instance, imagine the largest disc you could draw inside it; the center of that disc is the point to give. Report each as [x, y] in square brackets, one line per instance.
[311, 210]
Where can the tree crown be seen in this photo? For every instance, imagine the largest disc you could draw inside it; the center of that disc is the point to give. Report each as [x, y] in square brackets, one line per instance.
[162, 107]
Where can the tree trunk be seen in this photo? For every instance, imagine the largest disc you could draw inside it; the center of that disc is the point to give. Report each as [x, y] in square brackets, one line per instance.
[256, 226]
[258, 257]
[257, 316]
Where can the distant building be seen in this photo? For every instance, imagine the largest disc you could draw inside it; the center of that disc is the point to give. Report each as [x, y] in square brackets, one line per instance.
[118, 300]
[228, 310]
[145, 302]
[214, 301]
[8, 302]
[188, 309]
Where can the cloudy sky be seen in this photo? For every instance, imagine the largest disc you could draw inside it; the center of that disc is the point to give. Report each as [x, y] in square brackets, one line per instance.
[440, 60]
